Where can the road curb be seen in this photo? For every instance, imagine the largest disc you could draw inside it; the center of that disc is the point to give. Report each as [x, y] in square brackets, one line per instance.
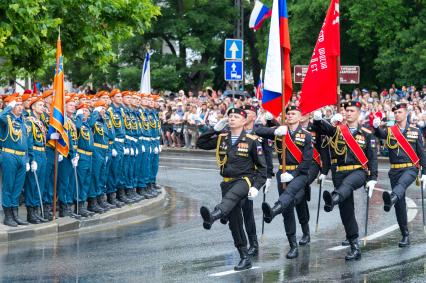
[67, 224]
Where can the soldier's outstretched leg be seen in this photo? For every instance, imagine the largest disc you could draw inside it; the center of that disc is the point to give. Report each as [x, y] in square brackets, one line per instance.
[250, 225]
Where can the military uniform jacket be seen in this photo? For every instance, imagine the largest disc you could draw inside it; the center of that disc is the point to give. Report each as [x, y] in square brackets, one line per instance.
[317, 141]
[302, 140]
[84, 133]
[36, 135]
[245, 158]
[342, 155]
[396, 154]
[117, 121]
[14, 132]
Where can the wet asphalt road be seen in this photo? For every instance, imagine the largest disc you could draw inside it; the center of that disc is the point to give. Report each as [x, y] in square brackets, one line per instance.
[175, 248]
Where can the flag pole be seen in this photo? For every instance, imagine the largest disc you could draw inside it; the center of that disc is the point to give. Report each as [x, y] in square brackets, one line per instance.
[338, 84]
[283, 116]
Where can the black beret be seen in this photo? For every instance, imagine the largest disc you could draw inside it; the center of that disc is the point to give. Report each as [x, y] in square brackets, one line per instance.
[249, 107]
[292, 108]
[239, 111]
[399, 106]
[343, 104]
[353, 103]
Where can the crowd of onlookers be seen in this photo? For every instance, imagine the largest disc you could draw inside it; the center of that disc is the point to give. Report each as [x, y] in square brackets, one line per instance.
[185, 115]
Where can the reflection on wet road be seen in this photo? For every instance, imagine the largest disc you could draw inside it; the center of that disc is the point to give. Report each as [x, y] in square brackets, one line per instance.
[175, 248]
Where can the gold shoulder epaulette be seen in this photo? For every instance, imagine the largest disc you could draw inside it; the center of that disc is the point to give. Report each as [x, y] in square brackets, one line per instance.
[413, 128]
[253, 137]
[366, 130]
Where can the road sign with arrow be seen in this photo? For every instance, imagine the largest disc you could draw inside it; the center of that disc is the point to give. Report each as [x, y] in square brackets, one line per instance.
[234, 49]
[234, 70]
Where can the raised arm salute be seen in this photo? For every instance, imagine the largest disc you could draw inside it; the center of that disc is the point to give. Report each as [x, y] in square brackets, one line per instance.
[406, 155]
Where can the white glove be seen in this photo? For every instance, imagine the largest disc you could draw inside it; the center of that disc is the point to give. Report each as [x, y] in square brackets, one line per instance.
[337, 118]
[113, 153]
[268, 185]
[136, 152]
[132, 152]
[33, 166]
[221, 125]
[143, 148]
[27, 167]
[126, 151]
[268, 116]
[13, 104]
[286, 177]
[423, 180]
[376, 122]
[74, 162]
[321, 179]
[54, 136]
[60, 157]
[97, 109]
[370, 187]
[79, 112]
[156, 150]
[281, 131]
[252, 193]
[317, 115]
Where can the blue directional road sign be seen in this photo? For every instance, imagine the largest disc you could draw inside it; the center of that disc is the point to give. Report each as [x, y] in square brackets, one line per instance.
[234, 70]
[234, 49]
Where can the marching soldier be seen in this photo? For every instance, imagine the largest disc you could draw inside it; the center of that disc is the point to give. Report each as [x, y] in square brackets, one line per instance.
[243, 167]
[35, 181]
[15, 161]
[354, 156]
[294, 175]
[406, 155]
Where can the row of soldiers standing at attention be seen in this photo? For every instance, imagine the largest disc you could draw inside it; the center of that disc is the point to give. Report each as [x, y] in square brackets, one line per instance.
[312, 149]
[114, 146]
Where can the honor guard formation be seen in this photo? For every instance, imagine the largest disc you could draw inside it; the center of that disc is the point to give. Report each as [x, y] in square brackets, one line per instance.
[114, 146]
[314, 145]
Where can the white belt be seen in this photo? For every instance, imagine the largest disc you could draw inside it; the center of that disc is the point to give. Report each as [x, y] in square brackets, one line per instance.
[131, 138]
[144, 138]
[119, 140]
[156, 139]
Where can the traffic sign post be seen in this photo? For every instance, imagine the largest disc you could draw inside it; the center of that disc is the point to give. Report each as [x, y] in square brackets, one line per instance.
[234, 49]
[348, 74]
[234, 70]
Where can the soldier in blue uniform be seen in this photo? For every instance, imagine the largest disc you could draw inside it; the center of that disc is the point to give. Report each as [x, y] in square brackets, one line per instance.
[35, 180]
[14, 159]
[116, 173]
[156, 125]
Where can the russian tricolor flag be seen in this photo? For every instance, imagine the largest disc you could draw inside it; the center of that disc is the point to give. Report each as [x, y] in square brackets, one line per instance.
[259, 14]
[277, 61]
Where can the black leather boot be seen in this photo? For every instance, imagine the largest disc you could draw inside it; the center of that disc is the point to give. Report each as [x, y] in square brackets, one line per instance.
[388, 200]
[152, 190]
[306, 238]
[224, 220]
[345, 243]
[294, 251]
[103, 203]
[93, 206]
[112, 200]
[210, 217]
[82, 211]
[405, 241]
[254, 246]
[245, 262]
[16, 217]
[269, 213]
[31, 218]
[133, 195]
[71, 212]
[147, 194]
[355, 252]
[8, 217]
[63, 210]
[330, 200]
[121, 196]
[39, 215]
[139, 191]
[48, 212]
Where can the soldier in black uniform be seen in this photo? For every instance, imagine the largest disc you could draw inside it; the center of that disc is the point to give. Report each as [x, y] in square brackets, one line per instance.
[403, 170]
[247, 204]
[295, 174]
[243, 167]
[320, 165]
[349, 173]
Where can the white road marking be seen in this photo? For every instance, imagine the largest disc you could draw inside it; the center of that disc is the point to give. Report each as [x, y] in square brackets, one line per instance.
[192, 168]
[231, 272]
[411, 214]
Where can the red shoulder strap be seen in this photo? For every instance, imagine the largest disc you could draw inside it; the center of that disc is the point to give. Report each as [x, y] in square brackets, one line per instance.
[405, 145]
[353, 145]
[317, 156]
[293, 148]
